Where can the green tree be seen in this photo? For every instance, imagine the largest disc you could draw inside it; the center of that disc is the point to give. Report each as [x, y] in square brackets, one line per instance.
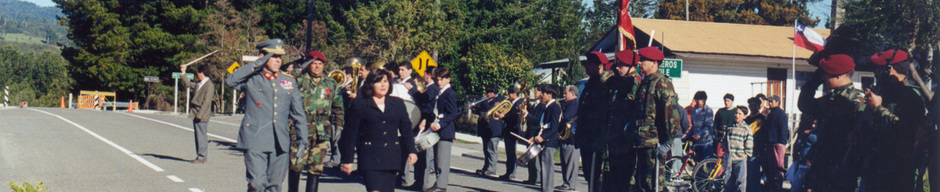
[37, 78]
[757, 12]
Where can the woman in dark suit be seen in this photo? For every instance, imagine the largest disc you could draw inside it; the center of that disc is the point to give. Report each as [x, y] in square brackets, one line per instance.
[379, 128]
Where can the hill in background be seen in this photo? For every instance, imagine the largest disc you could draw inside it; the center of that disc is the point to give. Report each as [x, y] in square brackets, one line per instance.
[25, 22]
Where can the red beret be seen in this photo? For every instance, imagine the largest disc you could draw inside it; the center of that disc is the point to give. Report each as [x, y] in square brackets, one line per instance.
[837, 64]
[651, 53]
[627, 57]
[598, 58]
[318, 55]
[881, 59]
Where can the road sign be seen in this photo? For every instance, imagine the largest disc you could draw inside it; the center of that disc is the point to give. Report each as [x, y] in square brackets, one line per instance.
[671, 67]
[231, 69]
[152, 79]
[422, 62]
[176, 75]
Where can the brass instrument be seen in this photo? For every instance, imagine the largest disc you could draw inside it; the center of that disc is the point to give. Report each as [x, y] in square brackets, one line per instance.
[356, 63]
[421, 86]
[339, 76]
[567, 132]
[501, 108]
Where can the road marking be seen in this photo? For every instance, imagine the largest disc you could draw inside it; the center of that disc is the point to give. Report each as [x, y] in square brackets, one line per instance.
[174, 178]
[223, 122]
[105, 140]
[181, 127]
[195, 190]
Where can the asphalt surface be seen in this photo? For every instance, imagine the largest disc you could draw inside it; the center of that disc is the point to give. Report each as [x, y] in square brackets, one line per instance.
[89, 150]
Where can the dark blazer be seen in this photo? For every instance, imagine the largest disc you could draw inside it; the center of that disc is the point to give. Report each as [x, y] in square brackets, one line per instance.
[491, 128]
[551, 116]
[777, 129]
[447, 107]
[379, 138]
[201, 104]
[513, 119]
[426, 101]
[570, 112]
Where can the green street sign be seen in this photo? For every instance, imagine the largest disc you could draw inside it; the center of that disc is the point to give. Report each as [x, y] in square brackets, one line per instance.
[176, 75]
[671, 67]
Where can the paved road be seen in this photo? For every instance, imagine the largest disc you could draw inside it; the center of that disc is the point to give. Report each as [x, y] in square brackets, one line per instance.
[88, 150]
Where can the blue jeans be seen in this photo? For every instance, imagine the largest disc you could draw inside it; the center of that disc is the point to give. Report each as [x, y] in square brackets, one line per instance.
[704, 151]
[753, 173]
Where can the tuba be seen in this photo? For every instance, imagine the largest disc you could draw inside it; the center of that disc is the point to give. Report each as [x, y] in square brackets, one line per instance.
[567, 132]
[339, 77]
[501, 108]
[356, 64]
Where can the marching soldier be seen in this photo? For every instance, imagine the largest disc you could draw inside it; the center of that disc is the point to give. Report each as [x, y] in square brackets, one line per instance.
[837, 113]
[323, 105]
[621, 110]
[658, 120]
[898, 110]
[592, 110]
[263, 136]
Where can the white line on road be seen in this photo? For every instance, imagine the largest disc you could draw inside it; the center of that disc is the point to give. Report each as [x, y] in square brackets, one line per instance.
[177, 126]
[195, 190]
[105, 140]
[223, 122]
[174, 178]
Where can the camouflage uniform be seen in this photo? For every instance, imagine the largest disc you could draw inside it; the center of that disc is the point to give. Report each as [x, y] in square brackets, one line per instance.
[323, 105]
[838, 113]
[657, 123]
[891, 167]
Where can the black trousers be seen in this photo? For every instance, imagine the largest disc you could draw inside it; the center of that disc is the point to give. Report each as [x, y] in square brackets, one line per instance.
[380, 180]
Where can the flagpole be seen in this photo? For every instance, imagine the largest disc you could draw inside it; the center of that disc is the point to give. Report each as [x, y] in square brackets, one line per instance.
[792, 100]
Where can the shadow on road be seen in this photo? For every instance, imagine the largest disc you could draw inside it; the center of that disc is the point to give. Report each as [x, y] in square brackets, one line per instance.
[165, 157]
[473, 188]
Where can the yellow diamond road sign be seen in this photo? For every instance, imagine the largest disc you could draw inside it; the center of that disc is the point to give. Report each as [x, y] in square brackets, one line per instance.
[422, 62]
[231, 69]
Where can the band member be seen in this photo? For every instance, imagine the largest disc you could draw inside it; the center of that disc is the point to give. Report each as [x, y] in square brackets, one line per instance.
[569, 152]
[513, 125]
[445, 110]
[549, 122]
[490, 130]
[263, 135]
[532, 130]
[426, 101]
[659, 118]
[323, 105]
[378, 128]
[592, 110]
[621, 136]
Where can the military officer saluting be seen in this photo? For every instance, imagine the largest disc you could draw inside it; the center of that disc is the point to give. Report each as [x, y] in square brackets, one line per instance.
[271, 100]
[323, 106]
[837, 113]
[659, 118]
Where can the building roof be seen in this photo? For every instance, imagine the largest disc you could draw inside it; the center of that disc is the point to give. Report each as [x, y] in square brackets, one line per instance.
[724, 38]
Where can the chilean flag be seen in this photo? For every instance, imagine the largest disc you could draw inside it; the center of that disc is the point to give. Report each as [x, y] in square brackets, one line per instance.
[807, 39]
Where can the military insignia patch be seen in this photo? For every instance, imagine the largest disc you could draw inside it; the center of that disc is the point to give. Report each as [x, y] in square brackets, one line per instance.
[287, 85]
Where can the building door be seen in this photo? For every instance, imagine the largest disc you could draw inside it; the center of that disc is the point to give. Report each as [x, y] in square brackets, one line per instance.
[777, 84]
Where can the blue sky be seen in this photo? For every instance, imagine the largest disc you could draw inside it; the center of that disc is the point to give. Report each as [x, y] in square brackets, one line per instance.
[818, 9]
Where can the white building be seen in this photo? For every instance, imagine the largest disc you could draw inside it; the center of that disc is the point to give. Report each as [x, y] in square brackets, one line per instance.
[720, 58]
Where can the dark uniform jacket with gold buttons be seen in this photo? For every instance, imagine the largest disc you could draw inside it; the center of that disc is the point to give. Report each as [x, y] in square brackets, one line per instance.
[380, 138]
[270, 100]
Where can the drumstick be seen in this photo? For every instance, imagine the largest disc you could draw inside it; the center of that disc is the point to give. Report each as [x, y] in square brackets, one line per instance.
[197, 59]
[521, 138]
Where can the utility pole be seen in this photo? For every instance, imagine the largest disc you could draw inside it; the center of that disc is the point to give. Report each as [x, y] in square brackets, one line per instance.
[836, 14]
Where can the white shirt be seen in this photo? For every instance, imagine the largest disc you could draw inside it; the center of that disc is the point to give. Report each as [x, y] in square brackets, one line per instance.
[203, 82]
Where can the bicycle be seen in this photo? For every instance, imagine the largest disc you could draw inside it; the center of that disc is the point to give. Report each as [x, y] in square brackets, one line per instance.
[678, 172]
[710, 174]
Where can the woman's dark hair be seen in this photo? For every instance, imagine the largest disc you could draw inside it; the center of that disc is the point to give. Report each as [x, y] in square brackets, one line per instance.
[375, 77]
[700, 95]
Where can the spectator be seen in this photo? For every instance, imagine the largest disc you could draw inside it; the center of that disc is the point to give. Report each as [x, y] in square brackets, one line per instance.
[701, 132]
[778, 135]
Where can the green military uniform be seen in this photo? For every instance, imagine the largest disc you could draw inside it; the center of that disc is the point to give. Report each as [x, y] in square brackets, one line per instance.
[891, 167]
[657, 124]
[838, 113]
[323, 105]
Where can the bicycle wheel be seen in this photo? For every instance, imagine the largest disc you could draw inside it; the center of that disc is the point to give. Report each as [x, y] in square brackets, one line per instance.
[674, 170]
[708, 176]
